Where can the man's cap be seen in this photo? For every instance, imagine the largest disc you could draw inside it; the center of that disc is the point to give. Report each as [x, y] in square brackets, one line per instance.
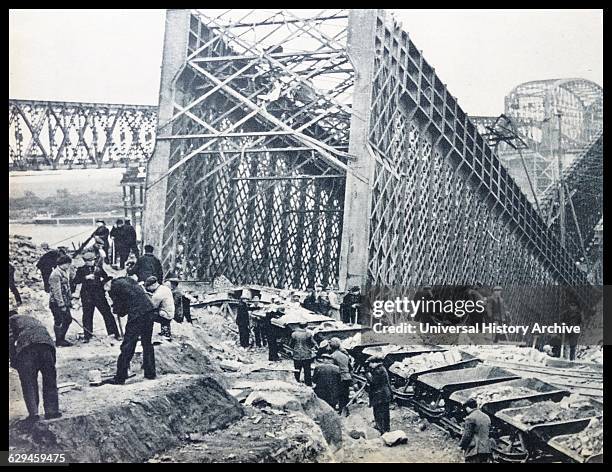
[497, 287]
[172, 278]
[64, 260]
[303, 324]
[326, 356]
[355, 288]
[324, 344]
[318, 285]
[150, 281]
[100, 221]
[426, 287]
[44, 245]
[89, 256]
[119, 221]
[335, 342]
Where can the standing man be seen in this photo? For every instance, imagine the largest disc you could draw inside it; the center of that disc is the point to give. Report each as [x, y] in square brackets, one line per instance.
[475, 440]
[380, 393]
[101, 235]
[146, 266]
[48, 262]
[177, 295]
[242, 321]
[31, 351]
[270, 332]
[334, 303]
[12, 285]
[496, 309]
[573, 316]
[303, 346]
[121, 241]
[60, 299]
[132, 239]
[349, 309]
[163, 301]
[326, 377]
[343, 361]
[92, 279]
[130, 299]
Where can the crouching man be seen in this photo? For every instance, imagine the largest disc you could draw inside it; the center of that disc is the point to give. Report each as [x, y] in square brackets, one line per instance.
[32, 350]
[475, 441]
[130, 299]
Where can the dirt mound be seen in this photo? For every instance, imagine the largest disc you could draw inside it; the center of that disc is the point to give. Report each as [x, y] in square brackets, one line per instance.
[130, 423]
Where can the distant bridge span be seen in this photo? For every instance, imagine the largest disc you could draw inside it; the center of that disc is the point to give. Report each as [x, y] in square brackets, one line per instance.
[71, 135]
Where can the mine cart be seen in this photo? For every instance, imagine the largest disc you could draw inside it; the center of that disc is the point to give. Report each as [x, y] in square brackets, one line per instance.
[432, 390]
[403, 385]
[560, 439]
[518, 441]
[337, 329]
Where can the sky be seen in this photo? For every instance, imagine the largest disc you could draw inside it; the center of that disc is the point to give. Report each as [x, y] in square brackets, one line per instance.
[114, 56]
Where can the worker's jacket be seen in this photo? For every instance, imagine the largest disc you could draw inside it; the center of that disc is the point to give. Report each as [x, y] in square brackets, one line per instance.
[163, 300]
[121, 237]
[326, 378]
[146, 266]
[475, 439]
[25, 331]
[91, 288]
[60, 292]
[48, 262]
[303, 345]
[343, 361]
[129, 298]
[496, 309]
[380, 387]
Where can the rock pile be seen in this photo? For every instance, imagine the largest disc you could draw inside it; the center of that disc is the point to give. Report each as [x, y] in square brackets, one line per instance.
[24, 255]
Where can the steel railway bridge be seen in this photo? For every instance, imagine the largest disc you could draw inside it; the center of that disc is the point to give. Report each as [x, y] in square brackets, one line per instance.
[291, 150]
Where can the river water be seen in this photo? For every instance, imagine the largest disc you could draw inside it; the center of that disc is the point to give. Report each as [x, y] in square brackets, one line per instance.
[55, 235]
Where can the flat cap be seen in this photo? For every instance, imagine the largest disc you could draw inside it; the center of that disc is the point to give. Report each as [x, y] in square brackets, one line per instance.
[150, 281]
[89, 256]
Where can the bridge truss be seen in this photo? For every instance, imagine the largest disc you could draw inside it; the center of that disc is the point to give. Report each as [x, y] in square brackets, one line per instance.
[296, 150]
[69, 135]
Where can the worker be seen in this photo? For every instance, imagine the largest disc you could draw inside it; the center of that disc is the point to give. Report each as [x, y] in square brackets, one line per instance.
[324, 305]
[311, 302]
[380, 394]
[12, 285]
[146, 266]
[130, 299]
[475, 440]
[326, 377]
[31, 350]
[304, 346]
[48, 262]
[243, 321]
[177, 295]
[349, 309]
[496, 309]
[163, 300]
[92, 279]
[60, 299]
[343, 361]
[101, 236]
[100, 253]
[122, 242]
[334, 303]
[132, 238]
[270, 332]
[573, 316]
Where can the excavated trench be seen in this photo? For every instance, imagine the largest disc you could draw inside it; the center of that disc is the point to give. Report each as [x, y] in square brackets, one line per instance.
[186, 414]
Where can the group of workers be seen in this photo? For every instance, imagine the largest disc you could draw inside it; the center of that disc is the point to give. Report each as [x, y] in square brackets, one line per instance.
[140, 295]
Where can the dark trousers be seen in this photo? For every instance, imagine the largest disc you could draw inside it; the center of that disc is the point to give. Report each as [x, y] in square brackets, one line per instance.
[478, 459]
[45, 276]
[32, 360]
[164, 325]
[13, 289]
[272, 348]
[134, 249]
[343, 394]
[139, 329]
[243, 333]
[122, 253]
[382, 417]
[89, 305]
[260, 335]
[62, 320]
[300, 365]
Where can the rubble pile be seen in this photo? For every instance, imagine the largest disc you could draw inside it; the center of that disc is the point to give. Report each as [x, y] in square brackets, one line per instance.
[494, 393]
[514, 354]
[547, 412]
[24, 255]
[590, 354]
[587, 442]
[430, 360]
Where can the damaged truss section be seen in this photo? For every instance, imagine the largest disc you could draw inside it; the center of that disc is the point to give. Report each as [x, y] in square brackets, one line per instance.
[248, 174]
[324, 148]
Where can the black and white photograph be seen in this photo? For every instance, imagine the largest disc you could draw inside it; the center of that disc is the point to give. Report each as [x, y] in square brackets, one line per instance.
[305, 236]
